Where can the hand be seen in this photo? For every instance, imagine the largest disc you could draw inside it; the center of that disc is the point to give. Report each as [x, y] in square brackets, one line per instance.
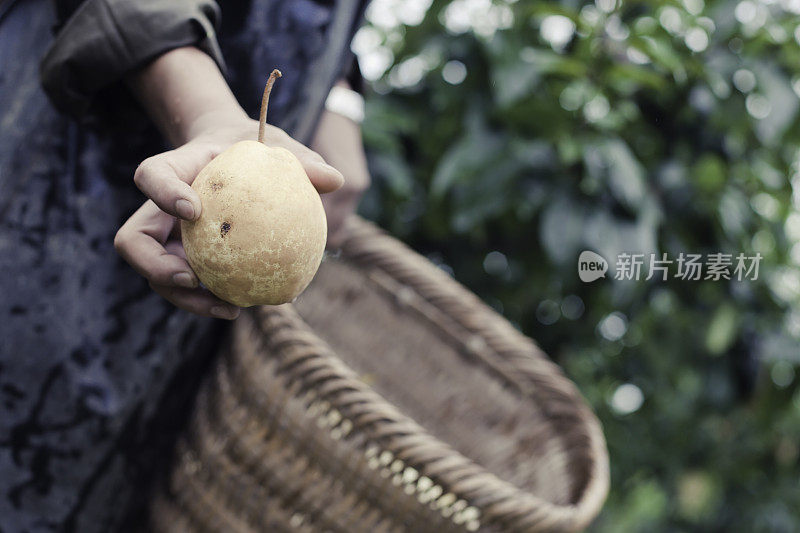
[338, 139]
[150, 240]
[187, 97]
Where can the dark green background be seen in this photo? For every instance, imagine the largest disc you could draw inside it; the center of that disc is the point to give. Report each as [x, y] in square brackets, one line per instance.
[543, 152]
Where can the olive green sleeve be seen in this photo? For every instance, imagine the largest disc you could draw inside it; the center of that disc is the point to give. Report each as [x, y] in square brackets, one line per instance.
[104, 39]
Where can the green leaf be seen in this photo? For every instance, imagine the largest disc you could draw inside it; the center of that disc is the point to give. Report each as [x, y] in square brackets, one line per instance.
[562, 229]
[472, 155]
[664, 54]
[721, 332]
[709, 173]
[613, 162]
[628, 78]
[514, 81]
[395, 172]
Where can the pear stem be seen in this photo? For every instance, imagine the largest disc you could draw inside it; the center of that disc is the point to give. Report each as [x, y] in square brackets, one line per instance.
[262, 122]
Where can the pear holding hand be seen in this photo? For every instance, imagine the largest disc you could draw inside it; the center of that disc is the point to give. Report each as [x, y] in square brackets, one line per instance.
[261, 234]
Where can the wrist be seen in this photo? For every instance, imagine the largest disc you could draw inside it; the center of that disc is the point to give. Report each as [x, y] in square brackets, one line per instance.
[214, 125]
[185, 94]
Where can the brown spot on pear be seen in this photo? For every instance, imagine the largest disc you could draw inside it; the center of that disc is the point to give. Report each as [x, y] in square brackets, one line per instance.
[259, 239]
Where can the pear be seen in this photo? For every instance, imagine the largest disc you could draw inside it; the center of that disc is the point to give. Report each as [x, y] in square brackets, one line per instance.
[262, 230]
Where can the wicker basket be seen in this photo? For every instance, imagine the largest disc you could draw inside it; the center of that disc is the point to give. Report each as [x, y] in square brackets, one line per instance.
[387, 398]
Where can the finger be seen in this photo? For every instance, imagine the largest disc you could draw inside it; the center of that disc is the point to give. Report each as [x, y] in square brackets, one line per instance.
[139, 242]
[175, 233]
[324, 177]
[166, 179]
[175, 247]
[197, 301]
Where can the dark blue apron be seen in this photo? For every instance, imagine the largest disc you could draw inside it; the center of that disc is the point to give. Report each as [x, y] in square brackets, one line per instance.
[97, 372]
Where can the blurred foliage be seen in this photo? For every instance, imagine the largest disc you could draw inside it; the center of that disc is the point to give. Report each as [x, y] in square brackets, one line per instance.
[506, 137]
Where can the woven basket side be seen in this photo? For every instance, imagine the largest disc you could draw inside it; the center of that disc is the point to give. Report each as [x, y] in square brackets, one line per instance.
[533, 373]
[332, 448]
[506, 506]
[432, 375]
[287, 437]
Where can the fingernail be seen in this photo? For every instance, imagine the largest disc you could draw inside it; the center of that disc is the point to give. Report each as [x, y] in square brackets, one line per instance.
[327, 168]
[184, 279]
[228, 313]
[185, 209]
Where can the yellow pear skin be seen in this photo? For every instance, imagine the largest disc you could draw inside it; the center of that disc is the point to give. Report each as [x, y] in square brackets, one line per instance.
[262, 230]
[261, 234]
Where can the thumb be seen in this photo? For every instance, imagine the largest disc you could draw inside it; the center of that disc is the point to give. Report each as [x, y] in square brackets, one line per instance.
[324, 177]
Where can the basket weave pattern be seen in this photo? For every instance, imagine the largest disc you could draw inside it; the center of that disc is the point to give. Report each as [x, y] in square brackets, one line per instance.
[388, 398]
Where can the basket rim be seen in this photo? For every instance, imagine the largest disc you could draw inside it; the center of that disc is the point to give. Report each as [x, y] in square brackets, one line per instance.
[531, 373]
